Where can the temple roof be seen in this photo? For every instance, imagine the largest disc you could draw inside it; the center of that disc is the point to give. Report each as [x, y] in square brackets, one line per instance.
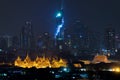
[100, 58]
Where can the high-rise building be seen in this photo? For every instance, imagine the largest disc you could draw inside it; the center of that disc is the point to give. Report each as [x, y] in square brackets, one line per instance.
[5, 41]
[27, 37]
[110, 39]
[117, 41]
[80, 39]
[39, 42]
[77, 38]
[15, 42]
[45, 41]
[59, 35]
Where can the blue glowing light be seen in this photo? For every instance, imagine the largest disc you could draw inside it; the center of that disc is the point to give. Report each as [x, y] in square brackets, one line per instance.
[58, 29]
[60, 18]
[58, 14]
[66, 69]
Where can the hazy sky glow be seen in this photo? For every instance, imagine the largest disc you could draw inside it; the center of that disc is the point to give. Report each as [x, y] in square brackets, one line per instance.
[94, 13]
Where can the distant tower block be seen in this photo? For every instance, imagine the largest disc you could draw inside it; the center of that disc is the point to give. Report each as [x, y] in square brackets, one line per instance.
[27, 38]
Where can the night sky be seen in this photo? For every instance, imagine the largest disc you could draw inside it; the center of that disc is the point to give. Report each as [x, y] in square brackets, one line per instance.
[94, 13]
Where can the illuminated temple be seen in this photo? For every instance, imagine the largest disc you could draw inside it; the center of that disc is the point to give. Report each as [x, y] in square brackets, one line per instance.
[100, 58]
[40, 62]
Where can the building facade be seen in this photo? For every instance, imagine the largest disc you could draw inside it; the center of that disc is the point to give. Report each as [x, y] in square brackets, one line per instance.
[27, 37]
[110, 39]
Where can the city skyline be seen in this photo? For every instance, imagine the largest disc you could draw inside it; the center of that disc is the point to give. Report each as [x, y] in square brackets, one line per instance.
[59, 39]
[94, 14]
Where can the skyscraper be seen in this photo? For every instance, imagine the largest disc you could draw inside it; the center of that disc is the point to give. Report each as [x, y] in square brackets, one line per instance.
[77, 38]
[5, 41]
[15, 42]
[110, 39]
[59, 35]
[27, 38]
[117, 40]
[44, 42]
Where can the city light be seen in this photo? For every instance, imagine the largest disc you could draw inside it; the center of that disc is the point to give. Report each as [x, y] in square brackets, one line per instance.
[58, 15]
[66, 69]
[59, 28]
[117, 69]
